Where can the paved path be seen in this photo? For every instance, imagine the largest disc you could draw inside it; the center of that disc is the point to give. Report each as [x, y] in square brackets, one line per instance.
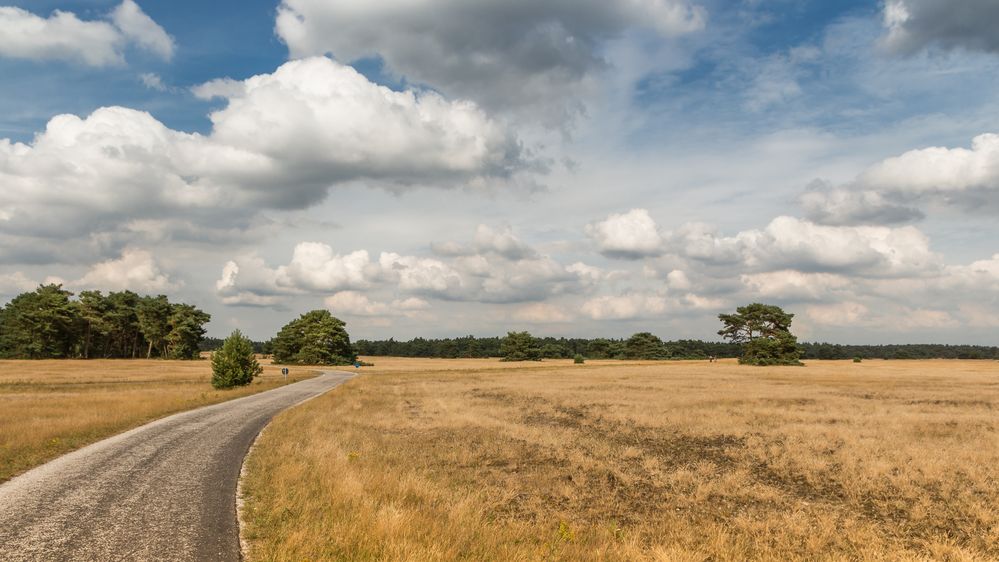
[163, 491]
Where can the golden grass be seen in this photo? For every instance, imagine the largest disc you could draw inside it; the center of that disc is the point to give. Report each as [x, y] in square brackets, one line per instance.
[48, 408]
[478, 460]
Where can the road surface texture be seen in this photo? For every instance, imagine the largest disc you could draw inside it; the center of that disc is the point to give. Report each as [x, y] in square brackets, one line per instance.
[163, 491]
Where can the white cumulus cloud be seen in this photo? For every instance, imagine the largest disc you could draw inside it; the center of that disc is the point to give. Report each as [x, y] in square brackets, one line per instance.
[15, 283]
[892, 190]
[63, 36]
[135, 270]
[794, 285]
[630, 235]
[353, 303]
[542, 313]
[315, 267]
[508, 271]
[962, 175]
[283, 141]
[140, 29]
[624, 307]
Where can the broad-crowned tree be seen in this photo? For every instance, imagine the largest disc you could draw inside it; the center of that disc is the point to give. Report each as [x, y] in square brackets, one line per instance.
[520, 346]
[314, 338]
[764, 331]
[645, 345]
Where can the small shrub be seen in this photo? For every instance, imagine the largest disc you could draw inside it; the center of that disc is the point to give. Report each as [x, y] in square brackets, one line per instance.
[234, 364]
[578, 360]
[565, 533]
[857, 359]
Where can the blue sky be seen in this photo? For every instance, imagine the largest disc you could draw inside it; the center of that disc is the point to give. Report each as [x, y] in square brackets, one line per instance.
[571, 168]
[213, 39]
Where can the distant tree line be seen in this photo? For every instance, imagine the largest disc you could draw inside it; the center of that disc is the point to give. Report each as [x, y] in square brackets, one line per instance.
[639, 346]
[48, 323]
[215, 344]
[648, 346]
[901, 351]
[109, 326]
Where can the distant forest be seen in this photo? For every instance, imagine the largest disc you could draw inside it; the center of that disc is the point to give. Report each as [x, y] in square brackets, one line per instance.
[608, 348]
[48, 323]
[214, 344]
[51, 322]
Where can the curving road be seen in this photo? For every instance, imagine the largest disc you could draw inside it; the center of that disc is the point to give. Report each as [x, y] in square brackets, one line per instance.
[163, 491]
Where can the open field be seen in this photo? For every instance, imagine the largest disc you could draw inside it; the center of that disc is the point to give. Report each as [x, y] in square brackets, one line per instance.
[478, 460]
[48, 408]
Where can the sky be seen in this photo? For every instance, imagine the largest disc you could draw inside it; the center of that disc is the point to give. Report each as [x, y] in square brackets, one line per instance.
[569, 167]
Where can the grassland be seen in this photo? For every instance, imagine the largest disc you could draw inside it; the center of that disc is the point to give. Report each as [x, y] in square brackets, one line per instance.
[477, 460]
[48, 408]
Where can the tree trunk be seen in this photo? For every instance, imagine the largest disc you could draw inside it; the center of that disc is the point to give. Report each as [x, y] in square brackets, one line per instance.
[149, 354]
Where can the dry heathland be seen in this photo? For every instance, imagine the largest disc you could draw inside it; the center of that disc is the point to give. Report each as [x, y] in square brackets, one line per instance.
[48, 408]
[477, 460]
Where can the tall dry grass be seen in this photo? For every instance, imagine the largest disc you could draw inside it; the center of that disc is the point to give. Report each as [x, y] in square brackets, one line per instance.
[48, 408]
[475, 460]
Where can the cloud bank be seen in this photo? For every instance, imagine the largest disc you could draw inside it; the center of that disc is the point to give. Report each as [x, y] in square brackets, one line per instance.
[503, 54]
[916, 24]
[889, 192]
[282, 141]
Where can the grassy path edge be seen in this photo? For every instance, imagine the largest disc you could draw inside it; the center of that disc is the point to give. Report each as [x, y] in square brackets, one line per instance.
[240, 498]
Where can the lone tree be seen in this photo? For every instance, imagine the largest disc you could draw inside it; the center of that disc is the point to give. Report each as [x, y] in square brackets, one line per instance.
[520, 346]
[234, 364]
[764, 331]
[314, 338]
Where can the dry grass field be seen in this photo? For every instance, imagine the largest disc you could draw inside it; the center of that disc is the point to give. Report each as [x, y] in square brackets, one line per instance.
[48, 408]
[478, 460]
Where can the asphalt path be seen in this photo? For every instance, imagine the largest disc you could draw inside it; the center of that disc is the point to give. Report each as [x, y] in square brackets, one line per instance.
[163, 491]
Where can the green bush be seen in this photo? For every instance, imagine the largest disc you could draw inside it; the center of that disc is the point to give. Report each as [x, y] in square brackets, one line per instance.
[234, 364]
[578, 360]
[857, 359]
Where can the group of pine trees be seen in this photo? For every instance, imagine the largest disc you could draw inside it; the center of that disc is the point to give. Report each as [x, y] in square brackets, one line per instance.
[49, 323]
[314, 338]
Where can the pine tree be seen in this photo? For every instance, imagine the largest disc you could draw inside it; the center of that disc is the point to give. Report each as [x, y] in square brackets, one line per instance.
[234, 364]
